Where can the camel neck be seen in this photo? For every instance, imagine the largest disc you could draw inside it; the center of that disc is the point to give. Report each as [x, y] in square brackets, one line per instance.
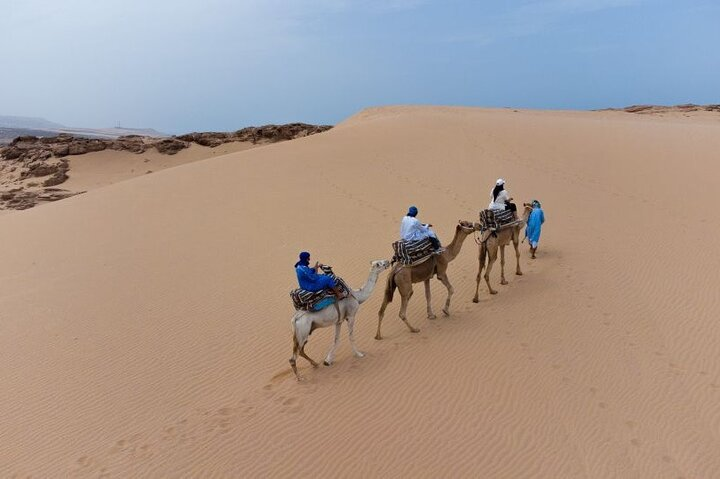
[364, 293]
[453, 249]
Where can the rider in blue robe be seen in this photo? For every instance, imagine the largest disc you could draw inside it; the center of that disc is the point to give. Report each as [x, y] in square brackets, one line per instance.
[310, 280]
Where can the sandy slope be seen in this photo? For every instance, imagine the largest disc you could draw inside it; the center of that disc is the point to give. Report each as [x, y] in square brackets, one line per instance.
[94, 170]
[145, 325]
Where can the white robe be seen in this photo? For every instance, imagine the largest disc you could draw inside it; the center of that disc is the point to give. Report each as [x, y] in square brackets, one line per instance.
[411, 229]
[499, 202]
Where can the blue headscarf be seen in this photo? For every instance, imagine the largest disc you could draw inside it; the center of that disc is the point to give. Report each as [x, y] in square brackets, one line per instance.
[304, 259]
[412, 211]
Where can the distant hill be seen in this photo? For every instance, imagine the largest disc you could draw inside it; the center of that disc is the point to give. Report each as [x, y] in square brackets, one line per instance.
[652, 109]
[28, 123]
[9, 134]
[12, 127]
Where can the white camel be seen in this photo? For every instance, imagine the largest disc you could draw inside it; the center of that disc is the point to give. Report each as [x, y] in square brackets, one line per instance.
[305, 322]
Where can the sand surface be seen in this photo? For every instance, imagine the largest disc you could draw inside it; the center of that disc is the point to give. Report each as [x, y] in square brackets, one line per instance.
[94, 170]
[145, 325]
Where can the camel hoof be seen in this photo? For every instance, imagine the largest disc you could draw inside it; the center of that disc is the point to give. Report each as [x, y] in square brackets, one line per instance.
[493, 292]
[326, 363]
[414, 330]
[475, 300]
[378, 337]
[446, 312]
[360, 354]
[432, 316]
[519, 273]
[503, 282]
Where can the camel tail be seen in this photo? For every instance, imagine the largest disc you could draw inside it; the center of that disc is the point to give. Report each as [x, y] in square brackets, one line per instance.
[390, 287]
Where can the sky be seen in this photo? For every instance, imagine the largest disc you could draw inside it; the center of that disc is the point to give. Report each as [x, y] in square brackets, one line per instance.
[180, 66]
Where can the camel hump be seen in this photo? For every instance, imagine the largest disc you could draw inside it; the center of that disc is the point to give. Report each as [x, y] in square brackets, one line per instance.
[492, 219]
[410, 253]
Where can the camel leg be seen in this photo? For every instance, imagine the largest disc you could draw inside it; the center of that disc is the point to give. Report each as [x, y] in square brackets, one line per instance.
[517, 256]
[502, 265]
[481, 265]
[331, 354]
[492, 256]
[293, 359]
[351, 336]
[444, 279]
[403, 309]
[381, 313]
[302, 354]
[430, 313]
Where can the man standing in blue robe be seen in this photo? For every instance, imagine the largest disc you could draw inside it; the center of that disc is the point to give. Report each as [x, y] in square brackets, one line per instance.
[534, 226]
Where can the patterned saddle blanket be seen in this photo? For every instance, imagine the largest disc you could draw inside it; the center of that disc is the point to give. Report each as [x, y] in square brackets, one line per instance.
[412, 252]
[304, 300]
[495, 219]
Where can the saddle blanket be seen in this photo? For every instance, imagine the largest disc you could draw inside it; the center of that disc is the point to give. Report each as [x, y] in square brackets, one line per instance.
[412, 252]
[494, 219]
[304, 300]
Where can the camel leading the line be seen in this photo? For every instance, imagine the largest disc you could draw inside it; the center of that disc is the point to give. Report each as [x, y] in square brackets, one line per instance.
[305, 322]
[489, 249]
[403, 278]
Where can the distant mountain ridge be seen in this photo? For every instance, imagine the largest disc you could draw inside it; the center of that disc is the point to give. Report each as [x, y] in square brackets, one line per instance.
[12, 127]
[650, 109]
[28, 123]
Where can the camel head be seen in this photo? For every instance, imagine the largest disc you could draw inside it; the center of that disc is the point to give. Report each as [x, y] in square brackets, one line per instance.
[467, 227]
[379, 265]
[527, 211]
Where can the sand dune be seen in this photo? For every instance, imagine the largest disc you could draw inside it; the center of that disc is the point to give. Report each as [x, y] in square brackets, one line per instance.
[145, 324]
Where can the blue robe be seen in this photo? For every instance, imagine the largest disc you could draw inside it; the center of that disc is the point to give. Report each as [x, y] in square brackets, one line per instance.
[534, 225]
[309, 280]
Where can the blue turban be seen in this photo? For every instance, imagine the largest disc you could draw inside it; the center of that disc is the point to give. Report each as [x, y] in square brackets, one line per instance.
[412, 211]
[304, 259]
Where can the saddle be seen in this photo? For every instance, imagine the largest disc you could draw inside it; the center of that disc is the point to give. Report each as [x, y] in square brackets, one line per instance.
[495, 219]
[305, 300]
[412, 252]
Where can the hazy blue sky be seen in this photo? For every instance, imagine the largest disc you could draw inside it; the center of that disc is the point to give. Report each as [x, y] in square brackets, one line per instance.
[179, 65]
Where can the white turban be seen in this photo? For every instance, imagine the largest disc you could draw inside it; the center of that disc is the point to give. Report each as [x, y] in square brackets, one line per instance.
[500, 181]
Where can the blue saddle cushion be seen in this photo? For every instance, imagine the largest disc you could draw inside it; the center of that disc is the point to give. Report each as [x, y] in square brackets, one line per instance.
[324, 303]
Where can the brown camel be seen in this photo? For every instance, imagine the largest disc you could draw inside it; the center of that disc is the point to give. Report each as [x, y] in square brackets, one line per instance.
[403, 277]
[489, 248]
